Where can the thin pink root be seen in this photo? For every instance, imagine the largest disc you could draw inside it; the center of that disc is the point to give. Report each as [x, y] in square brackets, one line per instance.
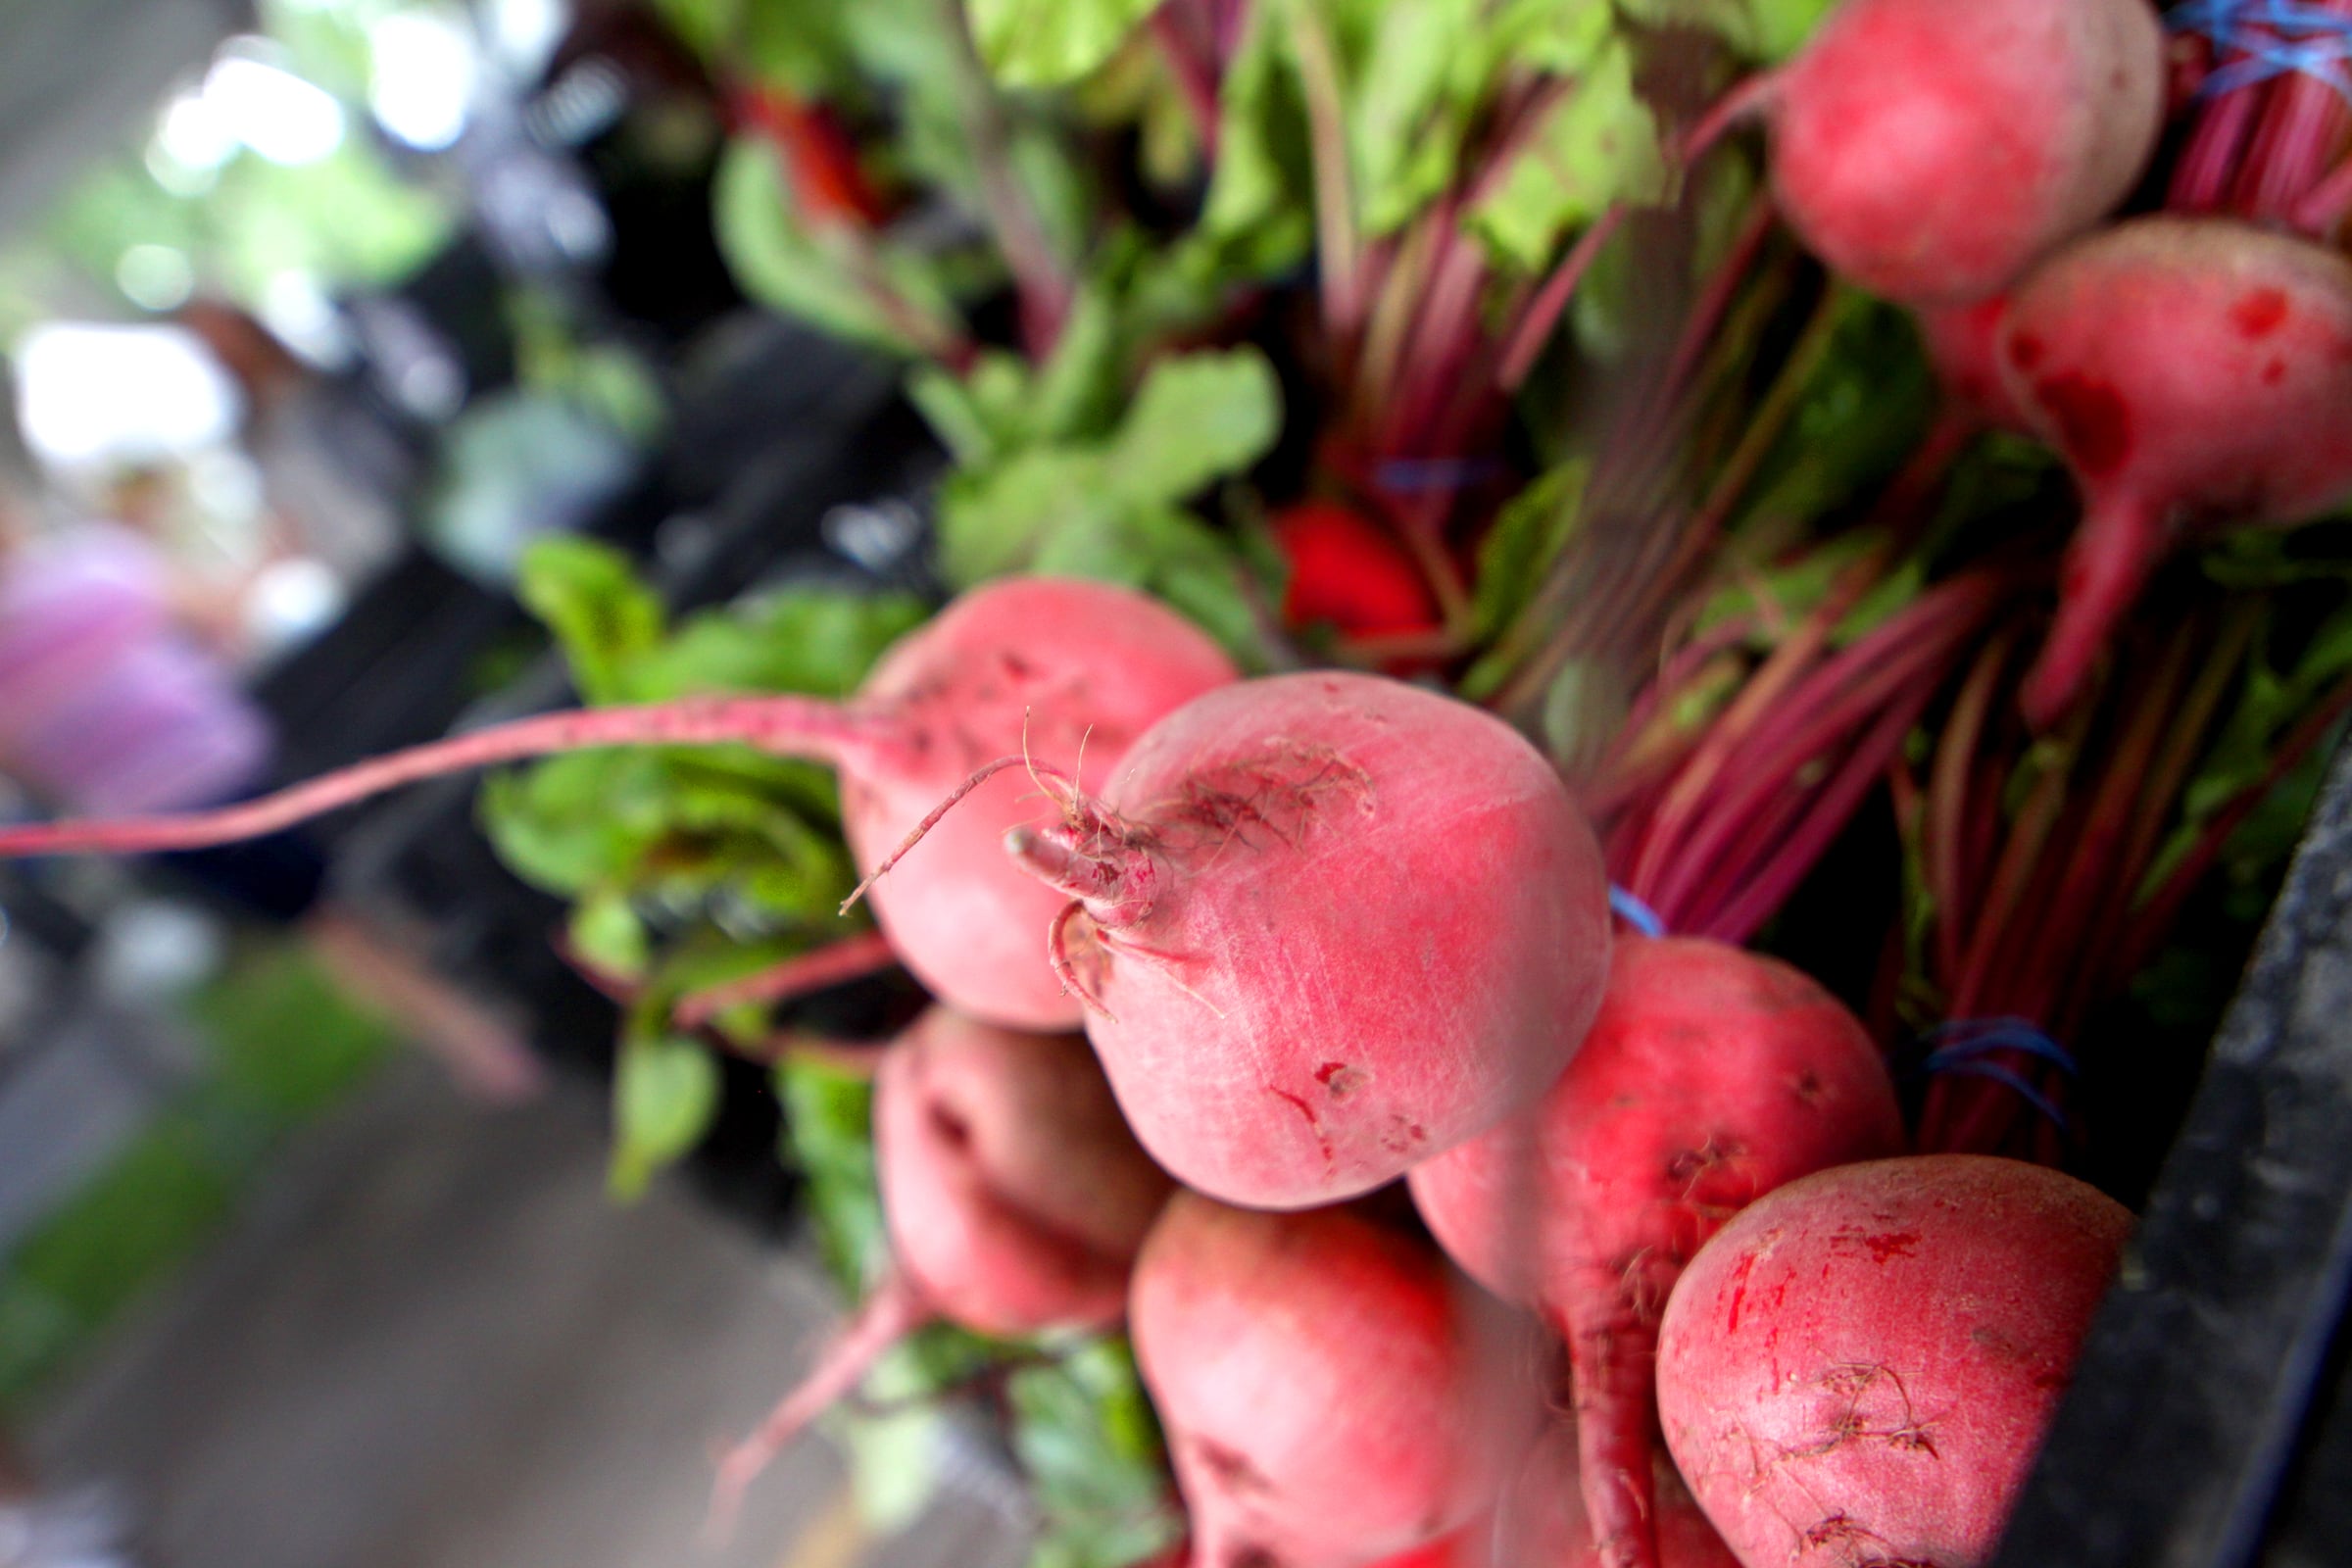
[787, 725]
[803, 974]
[1058, 953]
[1036, 770]
[894, 1311]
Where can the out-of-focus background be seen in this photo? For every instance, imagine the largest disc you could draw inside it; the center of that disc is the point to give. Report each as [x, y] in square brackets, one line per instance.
[315, 313]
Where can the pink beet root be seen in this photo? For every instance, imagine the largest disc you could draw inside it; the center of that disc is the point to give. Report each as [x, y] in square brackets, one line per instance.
[1930, 150]
[1319, 1378]
[1015, 1199]
[1041, 667]
[1861, 1366]
[1710, 1077]
[1332, 925]
[1543, 1523]
[2194, 373]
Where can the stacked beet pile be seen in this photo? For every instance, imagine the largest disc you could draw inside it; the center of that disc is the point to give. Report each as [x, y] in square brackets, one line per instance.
[1629, 664]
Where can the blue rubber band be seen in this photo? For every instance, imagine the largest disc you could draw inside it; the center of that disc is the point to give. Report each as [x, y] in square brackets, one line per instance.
[1634, 913]
[2010, 1080]
[1968, 1039]
[1412, 476]
[2277, 38]
[1967, 1046]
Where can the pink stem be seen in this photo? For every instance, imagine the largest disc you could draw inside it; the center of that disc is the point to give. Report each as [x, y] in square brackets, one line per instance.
[894, 1311]
[2115, 549]
[2202, 176]
[1740, 917]
[2321, 210]
[1525, 345]
[787, 727]
[803, 974]
[1842, 693]
[1526, 341]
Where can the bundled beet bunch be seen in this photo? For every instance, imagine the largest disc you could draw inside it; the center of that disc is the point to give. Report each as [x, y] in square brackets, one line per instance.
[1637, 668]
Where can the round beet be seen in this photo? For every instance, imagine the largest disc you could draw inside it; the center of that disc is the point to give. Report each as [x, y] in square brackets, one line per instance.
[1319, 1376]
[1929, 150]
[1710, 1076]
[1860, 1367]
[1055, 671]
[1014, 1197]
[1332, 925]
[2193, 372]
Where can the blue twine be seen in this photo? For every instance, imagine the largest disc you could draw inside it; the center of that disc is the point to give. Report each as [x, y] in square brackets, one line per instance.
[1965, 1039]
[1965, 1046]
[1634, 913]
[1411, 475]
[2277, 38]
[2025, 1091]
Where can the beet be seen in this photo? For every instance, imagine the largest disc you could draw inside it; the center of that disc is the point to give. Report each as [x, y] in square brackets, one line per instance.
[1861, 1366]
[1711, 1076]
[1320, 1380]
[2194, 373]
[1014, 1196]
[1041, 667]
[1930, 150]
[1332, 925]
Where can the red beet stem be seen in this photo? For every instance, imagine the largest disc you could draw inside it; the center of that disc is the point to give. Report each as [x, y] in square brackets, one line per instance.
[894, 1311]
[802, 974]
[2108, 563]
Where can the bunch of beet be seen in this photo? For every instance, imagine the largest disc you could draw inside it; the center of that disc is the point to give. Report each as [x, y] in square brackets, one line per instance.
[1327, 930]
[1671, 1292]
[1963, 158]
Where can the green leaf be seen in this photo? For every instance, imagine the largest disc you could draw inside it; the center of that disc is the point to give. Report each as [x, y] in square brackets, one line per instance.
[808, 639]
[1858, 418]
[1261, 190]
[1049, 43]
[664, 1094]
[829, 1133]
[1412, 106]
[575, 822]
[1076, 392]
[1561, 36]
[810, 276]
[1196, 420]
[605, 619]
[1600, 146]
[604, 930]
[994, 520]
[1767, 31]
[1084, 1433]
[1527, 535]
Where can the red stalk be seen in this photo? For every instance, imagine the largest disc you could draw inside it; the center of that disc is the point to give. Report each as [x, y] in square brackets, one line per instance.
[895, 1309]
[803, 974]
